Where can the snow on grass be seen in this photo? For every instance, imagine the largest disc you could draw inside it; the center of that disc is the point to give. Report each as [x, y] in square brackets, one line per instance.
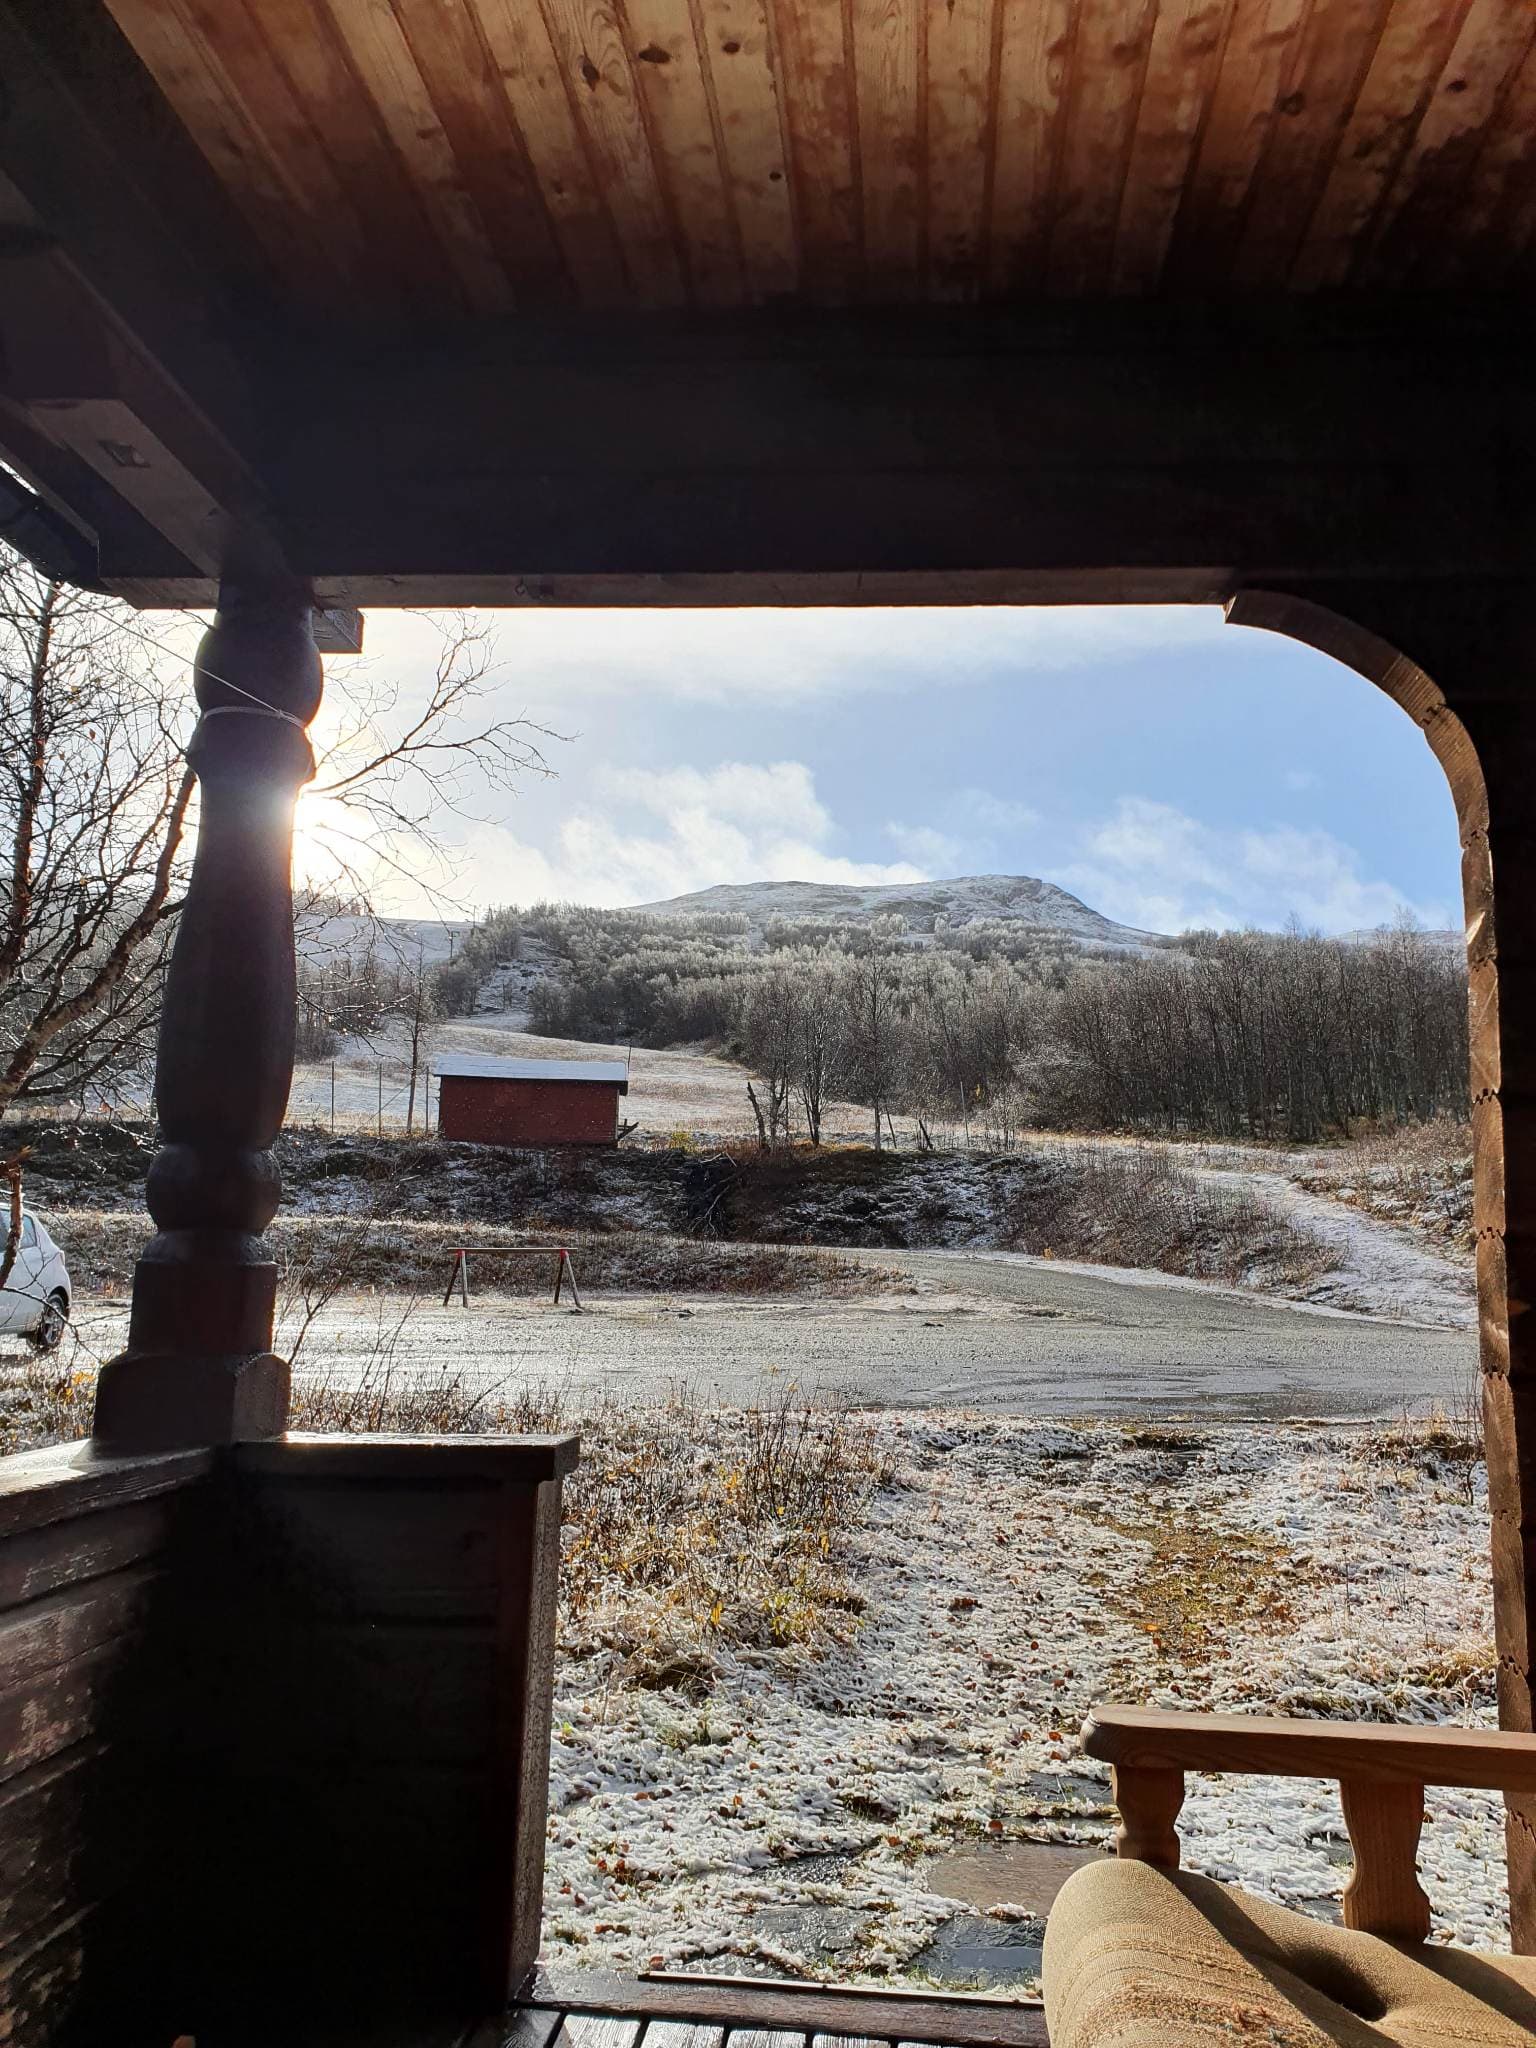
[1011, 1575]
[1376, 1255]
[1382, 1269]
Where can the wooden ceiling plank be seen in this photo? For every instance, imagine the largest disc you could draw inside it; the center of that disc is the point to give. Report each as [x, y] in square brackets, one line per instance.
[340, 110]
[739, 52]
[460, 80]
[218, 123]
[589, 46]
[1181, 71]
[517, 37]
[1035, 55]
[959, 91]
[816, 96]
[1494, 41]
[680, 117]
[1497, 215]
[233, 45]
[382, 58]
[1261, 42]
[1415, 40]
[1333, 55]
[886, 69]
[1109, 67]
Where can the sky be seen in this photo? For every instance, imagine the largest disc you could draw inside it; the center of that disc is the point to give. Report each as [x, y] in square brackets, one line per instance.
[1169, 769]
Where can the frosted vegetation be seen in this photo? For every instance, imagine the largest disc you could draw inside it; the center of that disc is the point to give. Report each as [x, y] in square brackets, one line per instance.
[976, 1028]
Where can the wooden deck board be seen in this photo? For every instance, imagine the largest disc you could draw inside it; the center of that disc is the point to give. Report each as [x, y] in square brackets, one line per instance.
[567, 2008]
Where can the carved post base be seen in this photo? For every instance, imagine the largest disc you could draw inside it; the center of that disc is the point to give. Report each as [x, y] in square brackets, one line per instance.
[168, 1403]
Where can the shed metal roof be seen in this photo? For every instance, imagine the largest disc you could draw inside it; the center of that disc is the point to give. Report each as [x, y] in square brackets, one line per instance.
[474, 1066]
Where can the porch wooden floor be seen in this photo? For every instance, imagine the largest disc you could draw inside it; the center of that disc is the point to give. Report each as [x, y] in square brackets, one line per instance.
[579, 2009]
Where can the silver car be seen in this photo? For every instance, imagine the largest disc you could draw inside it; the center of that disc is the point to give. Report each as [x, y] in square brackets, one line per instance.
[35, 1300]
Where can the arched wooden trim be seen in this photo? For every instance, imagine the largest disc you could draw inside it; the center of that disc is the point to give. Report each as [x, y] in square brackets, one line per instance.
[1501, 1016]
[1368, 654]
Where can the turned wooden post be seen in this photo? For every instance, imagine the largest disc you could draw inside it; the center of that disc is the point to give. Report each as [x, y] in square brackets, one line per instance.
[1384, 1895]
[199, 1367]
[1149, 1799]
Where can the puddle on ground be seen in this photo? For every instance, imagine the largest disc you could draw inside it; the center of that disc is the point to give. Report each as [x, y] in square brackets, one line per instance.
[1026, 1874]
[972, 1954]
[1064, 1794]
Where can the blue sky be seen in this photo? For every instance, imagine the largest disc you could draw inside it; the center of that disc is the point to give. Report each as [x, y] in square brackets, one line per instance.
[1167, 768]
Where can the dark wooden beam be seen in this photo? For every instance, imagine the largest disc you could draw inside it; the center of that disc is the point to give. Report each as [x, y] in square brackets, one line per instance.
[121, 189]
[130, 291]
[1116, 455]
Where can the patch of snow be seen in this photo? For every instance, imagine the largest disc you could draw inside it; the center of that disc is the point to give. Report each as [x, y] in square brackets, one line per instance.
[1015, 1575]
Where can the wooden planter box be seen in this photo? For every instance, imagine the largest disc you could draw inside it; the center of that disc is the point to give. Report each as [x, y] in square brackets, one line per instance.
[274, 1732]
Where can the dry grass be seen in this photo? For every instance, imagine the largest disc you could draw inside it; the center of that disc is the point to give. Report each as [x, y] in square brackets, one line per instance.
[1200, 1585]
[1136, 1206]
[1416, 1175]
[44, 1400]
[1445, 1446]
[694, 1527]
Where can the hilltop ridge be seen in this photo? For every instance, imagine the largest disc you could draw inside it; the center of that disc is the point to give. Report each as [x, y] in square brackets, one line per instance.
[961, 900]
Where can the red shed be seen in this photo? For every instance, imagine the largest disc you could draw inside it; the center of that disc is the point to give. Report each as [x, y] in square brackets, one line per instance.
[529, 1102]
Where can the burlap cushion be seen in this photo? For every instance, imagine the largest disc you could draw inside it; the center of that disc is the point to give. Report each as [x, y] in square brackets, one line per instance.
[1137, 1957]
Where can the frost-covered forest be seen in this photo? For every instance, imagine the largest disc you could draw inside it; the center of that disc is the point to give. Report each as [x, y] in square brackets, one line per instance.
[985, 1026]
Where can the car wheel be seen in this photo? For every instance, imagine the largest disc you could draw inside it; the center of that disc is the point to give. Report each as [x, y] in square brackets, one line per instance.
[50, 1326]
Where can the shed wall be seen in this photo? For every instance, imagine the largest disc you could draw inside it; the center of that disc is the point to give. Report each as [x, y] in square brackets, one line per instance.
[497, 1112]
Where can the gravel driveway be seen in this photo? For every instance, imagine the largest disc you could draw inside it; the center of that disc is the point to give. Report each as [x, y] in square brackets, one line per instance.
[991, 1331]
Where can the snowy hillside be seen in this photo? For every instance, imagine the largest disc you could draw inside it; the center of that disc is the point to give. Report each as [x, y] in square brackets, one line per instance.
[969, 899]
[403, 942]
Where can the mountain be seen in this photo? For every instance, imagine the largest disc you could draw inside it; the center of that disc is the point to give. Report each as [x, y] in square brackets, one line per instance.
[966, 900]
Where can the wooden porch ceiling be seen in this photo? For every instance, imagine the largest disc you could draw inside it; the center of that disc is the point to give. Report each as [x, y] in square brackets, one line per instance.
[493, 155]
[784, 300]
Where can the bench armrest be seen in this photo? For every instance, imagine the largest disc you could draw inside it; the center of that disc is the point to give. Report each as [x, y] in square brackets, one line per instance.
[1371, 1752]
[1381, 1772]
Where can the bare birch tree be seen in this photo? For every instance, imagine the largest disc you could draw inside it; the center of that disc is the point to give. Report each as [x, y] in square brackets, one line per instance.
[96, 802]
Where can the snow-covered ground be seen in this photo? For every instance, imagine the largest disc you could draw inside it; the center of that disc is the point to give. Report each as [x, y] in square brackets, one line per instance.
[1398, 1269]
[799, 1815]
[1382, 1269]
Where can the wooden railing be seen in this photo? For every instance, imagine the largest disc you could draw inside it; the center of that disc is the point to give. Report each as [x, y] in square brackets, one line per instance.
[1381, 1773]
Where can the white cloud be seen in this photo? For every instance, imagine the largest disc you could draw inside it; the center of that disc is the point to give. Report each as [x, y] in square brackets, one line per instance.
[1152, 865]
[979, 807]
[559, 660]
[967, 842]
[658, 834]
[938, 853]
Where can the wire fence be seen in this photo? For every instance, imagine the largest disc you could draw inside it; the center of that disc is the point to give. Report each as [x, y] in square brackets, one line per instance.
[360, 1095]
